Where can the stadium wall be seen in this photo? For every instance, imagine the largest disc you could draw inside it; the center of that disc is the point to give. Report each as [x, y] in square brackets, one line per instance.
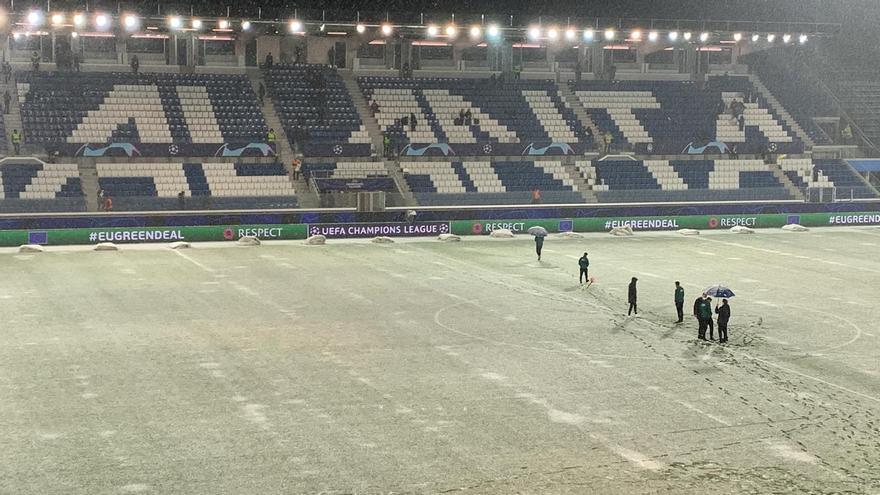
[169, 228]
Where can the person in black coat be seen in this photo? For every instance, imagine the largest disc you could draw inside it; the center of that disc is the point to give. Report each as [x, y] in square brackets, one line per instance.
[633, 297]
[701, 324]
[584, 263]
[539, 244]
[709, 323]
[723, 313]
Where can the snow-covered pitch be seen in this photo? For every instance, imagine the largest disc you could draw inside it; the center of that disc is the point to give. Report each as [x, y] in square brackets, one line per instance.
[431, 367]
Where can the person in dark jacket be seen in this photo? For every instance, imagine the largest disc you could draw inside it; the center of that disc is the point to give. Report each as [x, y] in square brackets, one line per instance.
[633, 297]
[701, 329]
[539, 244]
[710, 324]
[584, 263]
[679, 301]
[723, 313]
[704, 314]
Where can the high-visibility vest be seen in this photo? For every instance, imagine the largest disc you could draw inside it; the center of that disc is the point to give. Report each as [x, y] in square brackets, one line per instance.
[271, 136]
[16, 137]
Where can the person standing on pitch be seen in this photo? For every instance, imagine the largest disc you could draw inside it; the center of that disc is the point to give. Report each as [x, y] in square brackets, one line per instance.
[679, 301]
[539, 244]
[723, 313]
[704, 315]
[709, 322]
[701, 325]
[584, 263]
[633, 297]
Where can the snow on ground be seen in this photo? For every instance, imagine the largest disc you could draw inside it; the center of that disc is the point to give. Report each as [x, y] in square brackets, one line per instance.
[427, 367]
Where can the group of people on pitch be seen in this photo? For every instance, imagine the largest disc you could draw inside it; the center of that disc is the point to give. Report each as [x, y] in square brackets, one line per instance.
[703, 314]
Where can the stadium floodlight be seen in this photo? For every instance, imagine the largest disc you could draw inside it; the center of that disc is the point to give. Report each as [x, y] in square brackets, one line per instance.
[534, 33]
[570, 34]
[387, 29]
[79, 20]
[102, 21]
[360, 28]
[130, 21]
[704, 37]
[687, 35]
[636, 35]
[552, 34]
[35, 18]
[652, 36]
[493, 31]
[451, 31]
[296, 26]
[589, 34]
[433, 30]
[74, 34]
[196, 24]
[175, 22]
[737, 37]
[802, 39]
[476, 32]
[786, 38]
[609, 34]
[771, 38]
[673, 36]
[245, 25]
[57, 19]
[223, 24]
[755, 38]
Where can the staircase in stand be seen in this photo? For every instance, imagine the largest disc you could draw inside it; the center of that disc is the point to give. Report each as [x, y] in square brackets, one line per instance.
[363, 109]
[781, 111]
[285, 153]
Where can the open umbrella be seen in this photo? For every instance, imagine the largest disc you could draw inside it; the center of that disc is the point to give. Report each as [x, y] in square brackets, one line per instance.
[719, 291]
[538, 231]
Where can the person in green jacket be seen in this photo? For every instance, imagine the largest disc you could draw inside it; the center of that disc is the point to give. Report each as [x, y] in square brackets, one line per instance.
[679, 301]
[584, 263]
[16, 141]
[704, 315]
[607, 138]
[270, 136]
[386, 142]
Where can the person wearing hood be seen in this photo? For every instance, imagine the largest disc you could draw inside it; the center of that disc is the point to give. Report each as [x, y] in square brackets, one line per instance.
[633, 297]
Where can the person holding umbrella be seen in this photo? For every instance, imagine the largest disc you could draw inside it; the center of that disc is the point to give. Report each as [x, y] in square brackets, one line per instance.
[633, 297]
[723, 313]
[584, 263]
[724, 293]
[540, 233]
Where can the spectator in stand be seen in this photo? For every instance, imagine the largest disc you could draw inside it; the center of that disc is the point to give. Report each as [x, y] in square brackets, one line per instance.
[270, 136]
[737, 108]
[461, 117]
[721, 108]
[846, 134]
[607, 139]
[7, 99]
[35, 61]
[7, 72]
[536, 195]
[135, 64]
[468, 117]
[100, 199]
[261, 92]
[412, 122]
[741, 122]
[296, 165]
[270, 61]
[374, 107]
[16, 141]
[591, 138]
[386, 143]
[181, 200]
[108, 203]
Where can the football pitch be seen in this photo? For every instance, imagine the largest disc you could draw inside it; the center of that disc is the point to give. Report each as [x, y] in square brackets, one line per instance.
[430, 367]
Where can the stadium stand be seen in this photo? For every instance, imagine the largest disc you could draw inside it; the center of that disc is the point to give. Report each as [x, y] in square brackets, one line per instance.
[486, 182]
[624, 181]
[34, 186]
[784, 76]
[668, 116]
[145, 108]
[314, 106]
[844, 179]
[149, 186]
[521, 112]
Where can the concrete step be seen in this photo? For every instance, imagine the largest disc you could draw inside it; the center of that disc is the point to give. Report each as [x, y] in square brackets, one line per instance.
[580, 112]
[583, 187]
[786, 182]
[396, 174]
[88, 176]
